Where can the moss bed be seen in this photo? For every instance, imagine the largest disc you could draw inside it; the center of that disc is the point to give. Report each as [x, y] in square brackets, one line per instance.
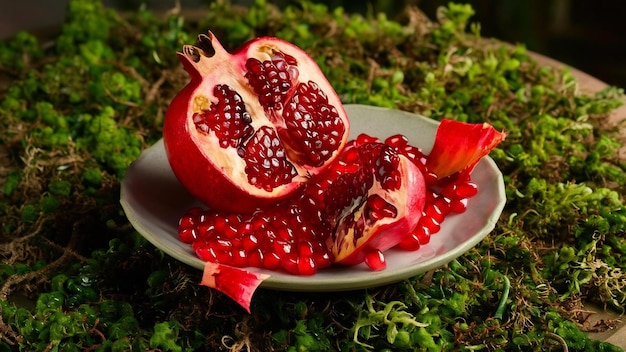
[77, 110]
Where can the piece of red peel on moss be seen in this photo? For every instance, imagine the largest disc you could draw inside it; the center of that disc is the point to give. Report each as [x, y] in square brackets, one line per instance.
[459, 146]
[238, 284]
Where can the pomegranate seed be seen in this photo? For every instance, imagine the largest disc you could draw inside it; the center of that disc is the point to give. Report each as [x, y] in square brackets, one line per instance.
[429, 223]
[255, 258]
[249, 242]
[466, 189]
[375, 260]
[443, 204]
[377, 208]
[271, 260]
[432, 210]
[410, 243]
[187, 235]
[306, 266]
[290, 264]
[397, 141]
[204, 251]
[458, 205]
[422, 234]
[239, 258]
[363, 139]
[305, 249]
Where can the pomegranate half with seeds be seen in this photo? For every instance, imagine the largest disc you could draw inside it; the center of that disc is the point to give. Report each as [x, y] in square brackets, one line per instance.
[252, 126]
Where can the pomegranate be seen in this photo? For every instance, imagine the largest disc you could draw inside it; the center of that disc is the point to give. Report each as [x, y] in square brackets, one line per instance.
[253, 126]
[385, 199]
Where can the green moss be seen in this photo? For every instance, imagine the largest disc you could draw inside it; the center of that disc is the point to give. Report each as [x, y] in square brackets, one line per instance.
[75, 115]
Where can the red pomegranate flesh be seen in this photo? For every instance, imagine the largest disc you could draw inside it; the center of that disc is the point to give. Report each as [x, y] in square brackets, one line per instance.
[252, 126]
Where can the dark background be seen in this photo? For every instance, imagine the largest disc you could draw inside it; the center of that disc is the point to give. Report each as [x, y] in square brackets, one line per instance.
[587, 34]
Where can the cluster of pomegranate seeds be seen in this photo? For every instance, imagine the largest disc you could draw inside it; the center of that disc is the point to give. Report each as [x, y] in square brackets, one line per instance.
[314, 123]
[272, 79]
[266, 164]
[289, 237]
[228, 118]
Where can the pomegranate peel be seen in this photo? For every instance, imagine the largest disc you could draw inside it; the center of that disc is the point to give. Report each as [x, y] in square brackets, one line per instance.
[236, 283]
[459, 146]
[252, 126]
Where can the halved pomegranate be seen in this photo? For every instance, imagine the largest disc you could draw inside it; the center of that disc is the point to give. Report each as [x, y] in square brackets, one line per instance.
[252, 126]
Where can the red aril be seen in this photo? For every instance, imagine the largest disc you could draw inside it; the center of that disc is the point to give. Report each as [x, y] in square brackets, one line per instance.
[252, 126]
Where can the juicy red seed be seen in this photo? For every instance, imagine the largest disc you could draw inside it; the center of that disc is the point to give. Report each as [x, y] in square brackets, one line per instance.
[430, 178]
[255, 258]
[409, 243]
[466, 190]
[271, 261]
[290, 264]
[433, 211]
[187, 235]
[227, 117]
[375, 260]
[414, 154]
[458, 205]
[282, 248]
[305, 249]
[239, 258]
[313, 124]
[431, 224]
[204, 251]
[306, 266]
[221, 244]
[449, 191]
[397, 141]
[363, 139]
[323, 259]
[249, 242]
[422, 234]
[443, 204]
[266, 164]
[377, 208]
[272, 79]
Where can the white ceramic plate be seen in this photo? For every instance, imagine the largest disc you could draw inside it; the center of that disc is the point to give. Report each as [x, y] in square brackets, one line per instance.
[154, 200]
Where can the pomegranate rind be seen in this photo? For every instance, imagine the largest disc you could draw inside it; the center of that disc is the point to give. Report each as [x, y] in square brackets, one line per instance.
[459, 146]
[387, 233]
[214, 175]
[238, 284]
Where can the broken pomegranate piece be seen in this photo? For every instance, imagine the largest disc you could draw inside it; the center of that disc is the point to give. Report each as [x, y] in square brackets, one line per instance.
[459, 146]
[375, 216]
[236, 283]
[252, 126]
